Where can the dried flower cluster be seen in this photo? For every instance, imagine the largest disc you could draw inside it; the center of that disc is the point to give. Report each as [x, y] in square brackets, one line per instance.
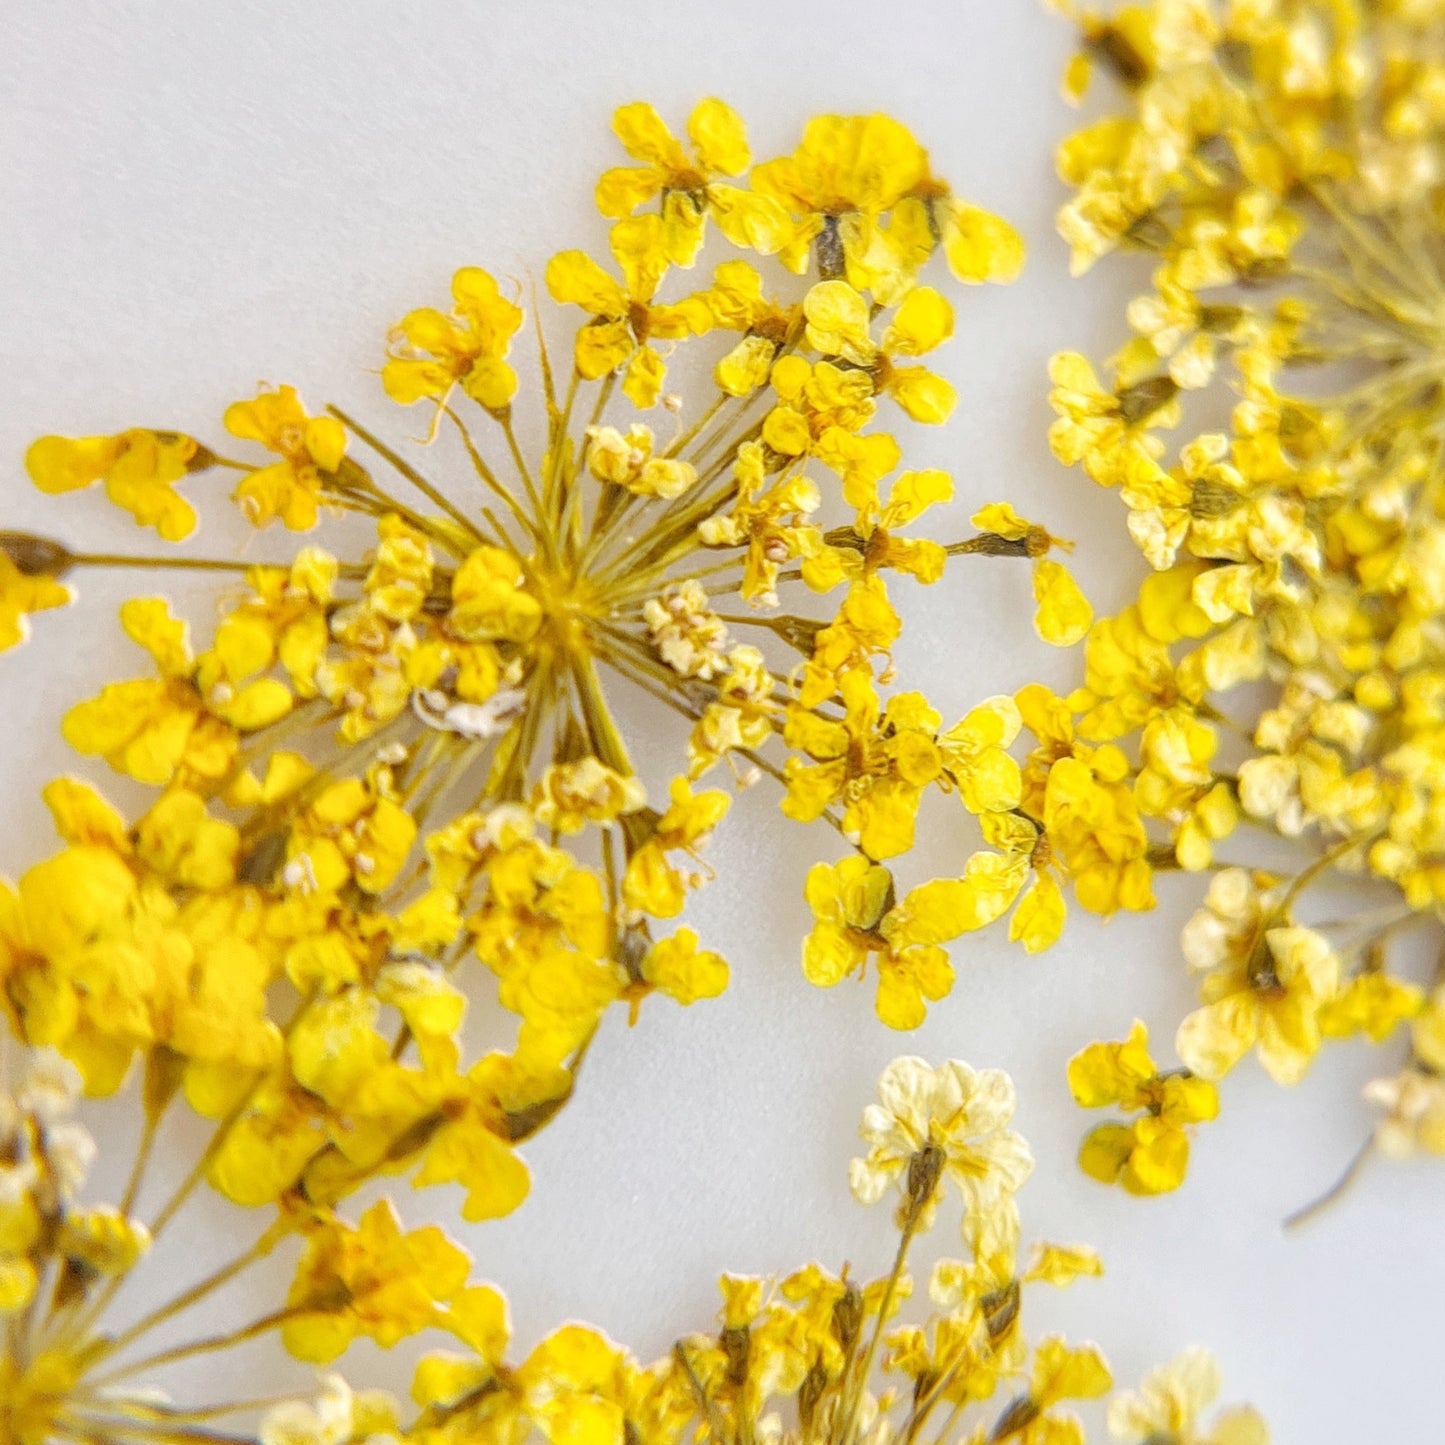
[1274, 427]
[393, 786]
[810, 1357]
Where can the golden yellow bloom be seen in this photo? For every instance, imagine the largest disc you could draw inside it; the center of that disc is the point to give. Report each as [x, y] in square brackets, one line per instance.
[432, 353]
[688, 186]
[368, 1280]
[395, 784]
[624, 318]
[859, 918]
[307, 445]
[187, 722]
[23, 591]
[1150, 1154]
[1270, 1000]
[139, 468]
[1296, 543]
[864, 197]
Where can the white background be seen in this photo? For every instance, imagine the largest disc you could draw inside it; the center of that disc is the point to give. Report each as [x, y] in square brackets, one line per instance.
[197, 197]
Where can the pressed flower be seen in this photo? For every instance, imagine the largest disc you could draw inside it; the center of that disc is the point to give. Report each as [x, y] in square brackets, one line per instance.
[1171, 1400]
[1150, 1154]
[1278, 462]
[948, 1122]
[24, 590]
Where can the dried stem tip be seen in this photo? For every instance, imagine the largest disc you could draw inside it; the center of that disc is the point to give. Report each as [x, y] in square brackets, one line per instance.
[36, 556]
[924, 1170]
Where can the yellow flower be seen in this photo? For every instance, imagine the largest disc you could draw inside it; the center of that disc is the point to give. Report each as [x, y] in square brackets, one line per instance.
[838, 318]
[339, 1415]
[688, 185]
[1058, 1373]
[185, 722]
[651, 883]
[869, 545]
[1414, 1118]
[1269, 1000]
[1088, 811]
[431, 353]
[815, 402]
[139, 468]
[628, 461]
[150, 946]
[569, 796]
[574, 1382]
[1169, 1403]
[877, 766]
[369, 1279]
[865, 199]
[976, 760]
[1108, 432]
[1149, 1155]
[768, 521]
[857, 917]
[310, 447]
[1372, 1003]
[410, 735]
[624, 318]
[22, 593]
[352, 834]
[846, 172]
[683, 971]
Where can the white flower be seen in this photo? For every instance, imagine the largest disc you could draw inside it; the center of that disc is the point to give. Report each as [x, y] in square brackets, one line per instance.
[962, 1115]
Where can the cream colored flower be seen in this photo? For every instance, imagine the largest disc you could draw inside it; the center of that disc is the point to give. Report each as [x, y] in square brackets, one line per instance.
[1167, 1406]
[928, 1122]
[1414, 1104]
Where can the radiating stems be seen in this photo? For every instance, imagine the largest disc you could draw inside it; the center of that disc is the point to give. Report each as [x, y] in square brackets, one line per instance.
[606, 741]
[1327, 859]
[533, 495]
[529, 527]
[207, 1346]
[679, 442]
[405, 469]
[110, 1428]
[604, 395]
[181, 1302]
[648, 583]
[149, 1129]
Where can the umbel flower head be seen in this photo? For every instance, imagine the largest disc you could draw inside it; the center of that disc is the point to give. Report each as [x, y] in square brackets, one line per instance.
[820, 1357]
[1273, 426]
[79, 1364]
[386, 768]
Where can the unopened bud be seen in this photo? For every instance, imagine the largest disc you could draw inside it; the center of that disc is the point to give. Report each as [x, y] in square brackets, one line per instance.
[924, 1169]
[848, 1317]
[36, 556]
[990, 544]
[736, 1344]
[1021, 1412]
[1144, 398]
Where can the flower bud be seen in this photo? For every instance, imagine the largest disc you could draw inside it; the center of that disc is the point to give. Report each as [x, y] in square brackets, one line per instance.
[36, 556]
